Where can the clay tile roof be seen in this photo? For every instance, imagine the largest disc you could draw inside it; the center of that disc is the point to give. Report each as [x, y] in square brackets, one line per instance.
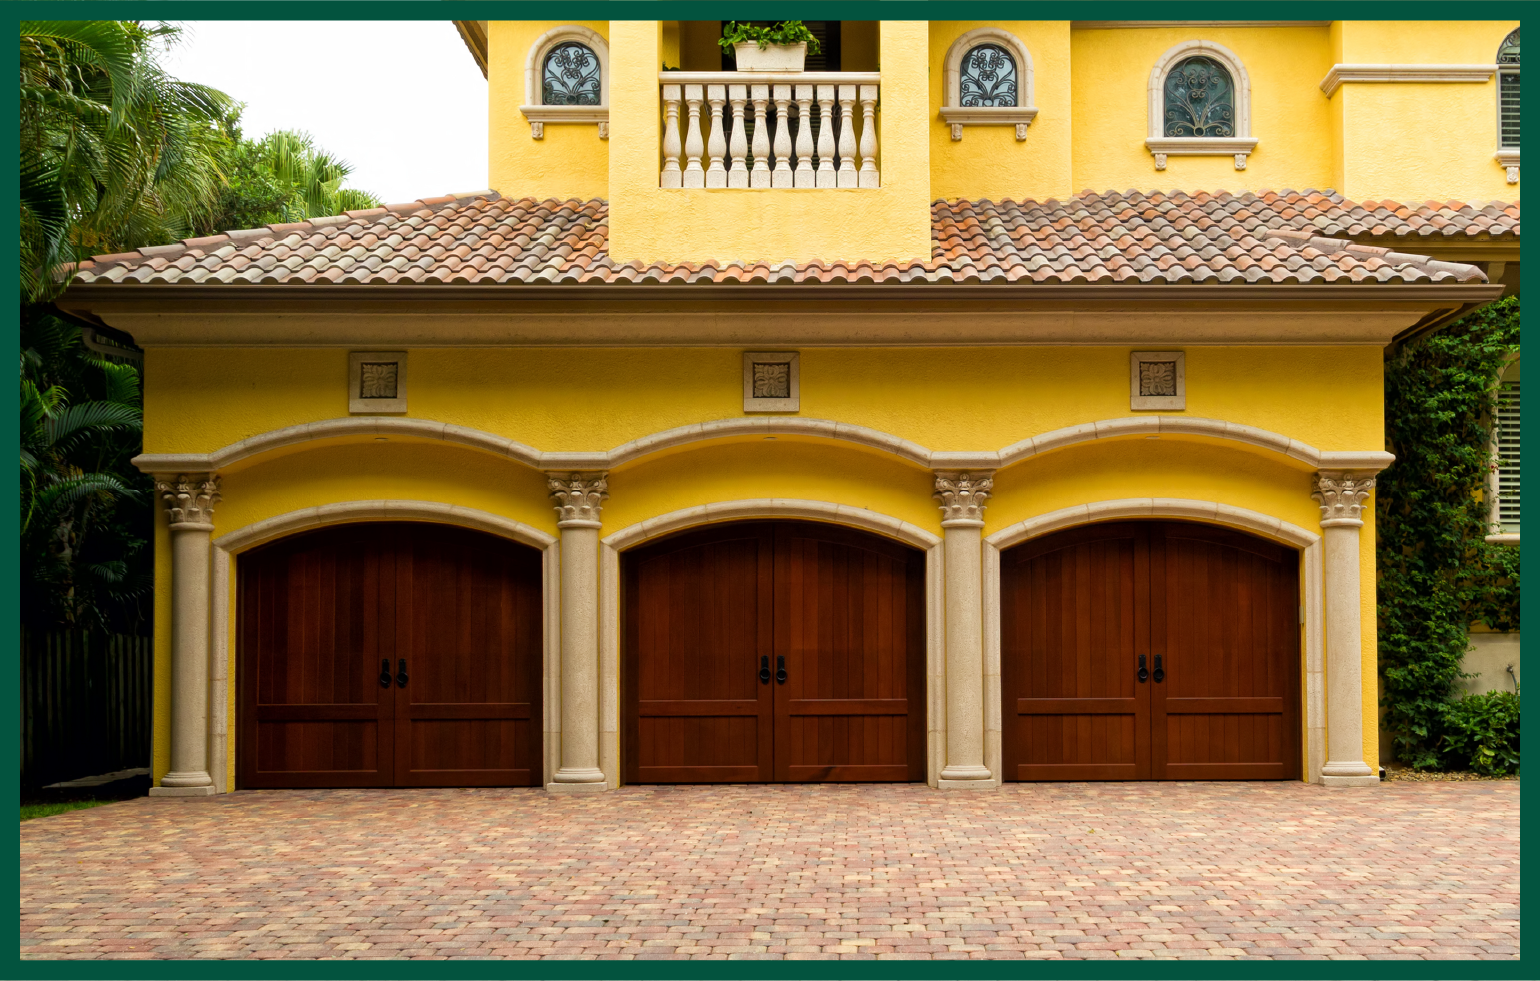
[482, 238]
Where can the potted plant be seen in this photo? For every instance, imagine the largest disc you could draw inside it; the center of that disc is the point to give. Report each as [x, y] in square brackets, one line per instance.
[783, 47]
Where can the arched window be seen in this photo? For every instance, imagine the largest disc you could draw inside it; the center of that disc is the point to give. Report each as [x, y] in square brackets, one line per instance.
[988, 82]
[1199, 104]
[1199, 99]
[567, 80]
[988, 77]
[571, 76]
[1508, 106]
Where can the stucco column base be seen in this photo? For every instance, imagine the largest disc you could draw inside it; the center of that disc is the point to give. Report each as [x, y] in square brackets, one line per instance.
[207, 790]
[1339, 781]
[594, 786]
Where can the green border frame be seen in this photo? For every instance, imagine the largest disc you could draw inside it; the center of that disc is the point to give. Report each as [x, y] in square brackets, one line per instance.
[683, 10]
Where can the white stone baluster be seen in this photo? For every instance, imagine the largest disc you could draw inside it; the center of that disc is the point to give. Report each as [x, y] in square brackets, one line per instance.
[847, 172]
[869, 175]
[760, 175]
[694, 176]
[782, 177]
[738, 172]
[826, 164]
[671, 176]
[805, 176]
[716, 147]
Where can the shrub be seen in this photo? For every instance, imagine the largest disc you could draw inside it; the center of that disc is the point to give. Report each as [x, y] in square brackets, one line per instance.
[1481, 733]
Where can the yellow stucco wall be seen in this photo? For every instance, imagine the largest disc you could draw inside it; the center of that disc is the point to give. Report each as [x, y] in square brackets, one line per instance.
[1110, 73]
[200, 399]
[571, 161]
[989, 162]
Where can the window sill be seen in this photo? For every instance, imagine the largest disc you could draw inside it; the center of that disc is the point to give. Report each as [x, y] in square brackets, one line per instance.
[1200, 146]
[1509, 161]
[538, 116]
[1505, 538]
[959, 116]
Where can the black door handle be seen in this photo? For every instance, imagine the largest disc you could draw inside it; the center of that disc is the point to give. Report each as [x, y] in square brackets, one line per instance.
[384, 672]
[1144, 672]
[780, 669]
[764, 670]
[1160, 672]
[401, 678]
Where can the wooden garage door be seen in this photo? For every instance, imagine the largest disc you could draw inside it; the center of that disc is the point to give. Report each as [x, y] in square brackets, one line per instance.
[391, 654]
[1150, 650]
[774, 651]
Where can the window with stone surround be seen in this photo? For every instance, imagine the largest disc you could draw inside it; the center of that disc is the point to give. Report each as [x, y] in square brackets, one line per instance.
[1199, 105]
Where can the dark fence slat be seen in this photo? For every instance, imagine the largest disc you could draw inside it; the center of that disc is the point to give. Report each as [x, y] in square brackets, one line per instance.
[85, 704]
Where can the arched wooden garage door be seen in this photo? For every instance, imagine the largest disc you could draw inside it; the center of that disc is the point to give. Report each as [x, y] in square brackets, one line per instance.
[1150, 650]
[774, 651]
[389, 654]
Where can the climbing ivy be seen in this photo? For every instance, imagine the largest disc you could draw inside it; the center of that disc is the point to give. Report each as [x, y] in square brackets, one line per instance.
[1437, 574]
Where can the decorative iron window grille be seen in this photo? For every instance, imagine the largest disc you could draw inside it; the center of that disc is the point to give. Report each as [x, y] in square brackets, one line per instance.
[1508, 91]
[1199, 99]
[571, 76]
[988, 77]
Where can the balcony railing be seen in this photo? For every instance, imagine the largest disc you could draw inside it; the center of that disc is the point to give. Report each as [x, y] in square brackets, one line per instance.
[770, 129]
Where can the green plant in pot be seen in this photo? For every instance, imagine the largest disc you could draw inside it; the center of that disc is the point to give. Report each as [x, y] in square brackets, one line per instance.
[782, 47]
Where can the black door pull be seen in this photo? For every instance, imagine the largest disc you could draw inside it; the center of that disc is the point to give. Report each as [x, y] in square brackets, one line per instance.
[1144, 672]
[1160, 672]
[401, 678]
[780, 669]
[384, 672]
[764, 670]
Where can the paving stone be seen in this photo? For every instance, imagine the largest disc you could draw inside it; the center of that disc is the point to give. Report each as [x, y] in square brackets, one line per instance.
[1189, 870]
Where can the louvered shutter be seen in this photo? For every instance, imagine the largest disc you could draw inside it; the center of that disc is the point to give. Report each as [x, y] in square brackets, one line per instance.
[1508, 457]
[1508, 92]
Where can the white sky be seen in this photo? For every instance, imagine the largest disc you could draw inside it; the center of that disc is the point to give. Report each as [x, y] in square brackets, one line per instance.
[402, 101]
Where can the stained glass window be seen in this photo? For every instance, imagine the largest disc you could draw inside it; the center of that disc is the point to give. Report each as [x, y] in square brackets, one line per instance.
[1508, 90]
[1200, 99]
[988, 77]
[571, 76]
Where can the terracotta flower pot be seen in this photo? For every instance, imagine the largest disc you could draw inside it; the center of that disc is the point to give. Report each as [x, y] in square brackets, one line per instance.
[773, 58]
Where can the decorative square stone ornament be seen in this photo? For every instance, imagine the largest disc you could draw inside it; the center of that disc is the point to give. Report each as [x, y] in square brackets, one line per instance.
[376, 382]
[772, 381]
[1158, 380]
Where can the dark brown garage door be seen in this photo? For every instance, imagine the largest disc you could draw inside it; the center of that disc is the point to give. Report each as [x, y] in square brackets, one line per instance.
[392, 654]
[1150, 651]
[774, 651]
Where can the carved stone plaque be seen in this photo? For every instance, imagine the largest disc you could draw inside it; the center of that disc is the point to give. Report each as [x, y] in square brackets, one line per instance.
[772, 381]
[1158, 380]
[377, 382]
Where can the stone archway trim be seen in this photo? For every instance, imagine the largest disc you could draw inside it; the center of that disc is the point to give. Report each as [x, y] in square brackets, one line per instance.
[864, 436]
[1312, 597]
[612, 545]
[225, 548]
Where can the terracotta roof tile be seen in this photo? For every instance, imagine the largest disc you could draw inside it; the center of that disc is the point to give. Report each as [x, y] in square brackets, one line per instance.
[482, 238]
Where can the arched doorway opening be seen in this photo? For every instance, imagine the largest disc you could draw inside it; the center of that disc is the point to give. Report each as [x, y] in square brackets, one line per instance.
[1150, 650]
[773, 651]
[389, 654]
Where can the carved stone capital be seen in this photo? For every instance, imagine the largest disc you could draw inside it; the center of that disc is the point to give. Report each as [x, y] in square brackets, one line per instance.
[579, 497]
[962, 494]
[1341, 495]
[189, 498]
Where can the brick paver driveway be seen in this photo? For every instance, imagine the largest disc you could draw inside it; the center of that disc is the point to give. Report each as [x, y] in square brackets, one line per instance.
[1066, 870]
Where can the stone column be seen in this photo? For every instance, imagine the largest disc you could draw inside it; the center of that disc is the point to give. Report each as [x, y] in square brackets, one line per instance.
[1341, 495]
[189, 502]
[962, 495]
[579, 497]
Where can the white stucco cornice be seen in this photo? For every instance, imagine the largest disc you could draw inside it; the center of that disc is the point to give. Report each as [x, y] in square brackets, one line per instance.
[297, 437]
[1404, 73]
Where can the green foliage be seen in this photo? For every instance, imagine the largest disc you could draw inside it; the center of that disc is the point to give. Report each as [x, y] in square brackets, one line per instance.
[782, 32]
[1481, 733]
[282, 177]
[1437, 575]
[30, 811]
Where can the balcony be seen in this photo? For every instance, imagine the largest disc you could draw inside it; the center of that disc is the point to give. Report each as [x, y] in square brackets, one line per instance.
[770, 129]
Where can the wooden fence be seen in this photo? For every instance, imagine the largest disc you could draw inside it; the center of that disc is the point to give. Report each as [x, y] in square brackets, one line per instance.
[85, 704]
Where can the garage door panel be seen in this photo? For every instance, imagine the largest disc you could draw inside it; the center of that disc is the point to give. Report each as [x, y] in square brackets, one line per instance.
[1214, 615]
